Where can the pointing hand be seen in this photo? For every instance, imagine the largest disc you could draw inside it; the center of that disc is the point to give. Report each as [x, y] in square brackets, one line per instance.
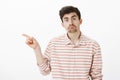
[31, 41]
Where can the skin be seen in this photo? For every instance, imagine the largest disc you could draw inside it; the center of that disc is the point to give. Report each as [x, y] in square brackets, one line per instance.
[32, 42]
[71, 23]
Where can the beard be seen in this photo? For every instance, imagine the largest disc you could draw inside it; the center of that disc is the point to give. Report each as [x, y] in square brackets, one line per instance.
[72, 29]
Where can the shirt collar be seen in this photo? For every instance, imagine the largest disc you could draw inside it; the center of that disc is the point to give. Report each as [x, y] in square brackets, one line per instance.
[68, 41]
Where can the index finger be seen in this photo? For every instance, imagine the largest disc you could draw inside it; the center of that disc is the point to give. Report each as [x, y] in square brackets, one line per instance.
[26, 35]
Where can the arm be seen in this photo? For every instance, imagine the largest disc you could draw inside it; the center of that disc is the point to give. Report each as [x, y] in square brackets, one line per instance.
[42, 62]
[96, 68]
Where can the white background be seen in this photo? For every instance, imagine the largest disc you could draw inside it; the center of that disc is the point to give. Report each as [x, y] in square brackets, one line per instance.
[40, 18]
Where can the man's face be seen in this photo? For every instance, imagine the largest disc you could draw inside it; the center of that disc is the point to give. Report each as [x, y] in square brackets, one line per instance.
[71, 22]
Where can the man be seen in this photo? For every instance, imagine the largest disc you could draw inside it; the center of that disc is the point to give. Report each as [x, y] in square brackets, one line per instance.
[72, 56]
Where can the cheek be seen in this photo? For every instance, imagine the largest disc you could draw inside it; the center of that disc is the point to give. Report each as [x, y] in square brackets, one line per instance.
[66, 25]
[77, 23]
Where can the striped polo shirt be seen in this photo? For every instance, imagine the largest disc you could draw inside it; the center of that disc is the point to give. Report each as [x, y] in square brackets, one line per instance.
[67, 61]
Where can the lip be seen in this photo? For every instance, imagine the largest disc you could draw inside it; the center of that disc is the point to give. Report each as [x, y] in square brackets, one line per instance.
[71, 27]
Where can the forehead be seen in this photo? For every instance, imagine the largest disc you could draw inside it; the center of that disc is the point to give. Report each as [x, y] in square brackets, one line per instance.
[69, 15]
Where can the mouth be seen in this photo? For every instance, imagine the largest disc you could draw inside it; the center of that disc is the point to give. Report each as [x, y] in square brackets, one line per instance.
[72, 27]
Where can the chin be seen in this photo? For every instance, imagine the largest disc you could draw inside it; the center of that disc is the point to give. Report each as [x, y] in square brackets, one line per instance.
[72, 31]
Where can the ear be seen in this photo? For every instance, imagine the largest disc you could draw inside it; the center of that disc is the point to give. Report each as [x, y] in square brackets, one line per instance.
[80, 21]
[62, 24]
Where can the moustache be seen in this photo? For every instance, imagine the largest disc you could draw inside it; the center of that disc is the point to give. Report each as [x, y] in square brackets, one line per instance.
[71, 26]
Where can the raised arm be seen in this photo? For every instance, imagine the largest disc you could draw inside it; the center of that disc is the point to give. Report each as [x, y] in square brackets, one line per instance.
[32, 42]
[42, 62]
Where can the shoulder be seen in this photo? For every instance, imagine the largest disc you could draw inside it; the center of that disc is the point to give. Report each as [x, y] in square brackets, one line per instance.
[90, 41]
[58, 38]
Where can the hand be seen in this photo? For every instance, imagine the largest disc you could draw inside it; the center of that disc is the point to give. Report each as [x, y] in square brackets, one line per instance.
[31, 41]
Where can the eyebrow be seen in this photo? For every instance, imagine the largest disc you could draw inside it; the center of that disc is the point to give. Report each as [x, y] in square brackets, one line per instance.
[72, 17]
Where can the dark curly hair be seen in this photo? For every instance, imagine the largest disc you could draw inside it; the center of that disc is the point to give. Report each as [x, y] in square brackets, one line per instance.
[67, 10]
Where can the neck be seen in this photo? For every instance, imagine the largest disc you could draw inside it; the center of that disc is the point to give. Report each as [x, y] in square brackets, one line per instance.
[74, 37]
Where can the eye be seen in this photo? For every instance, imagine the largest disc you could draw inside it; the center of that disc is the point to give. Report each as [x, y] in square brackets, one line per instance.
[66, 20]
[74, 18]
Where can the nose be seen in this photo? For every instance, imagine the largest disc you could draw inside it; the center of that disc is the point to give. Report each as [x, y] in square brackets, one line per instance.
[70, 22]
